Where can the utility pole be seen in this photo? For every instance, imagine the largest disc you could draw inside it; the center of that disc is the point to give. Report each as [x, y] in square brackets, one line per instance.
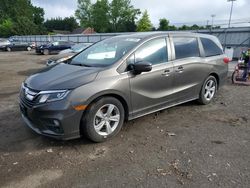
[212, 25]
[231, 11]
[229, 22]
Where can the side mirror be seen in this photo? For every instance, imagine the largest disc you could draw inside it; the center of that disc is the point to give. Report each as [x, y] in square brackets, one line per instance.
[141, 66]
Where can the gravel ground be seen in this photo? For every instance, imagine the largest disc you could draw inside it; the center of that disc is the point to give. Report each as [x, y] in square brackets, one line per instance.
[185, 146]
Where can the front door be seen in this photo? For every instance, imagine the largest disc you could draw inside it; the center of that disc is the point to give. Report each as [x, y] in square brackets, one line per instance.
[152, 90]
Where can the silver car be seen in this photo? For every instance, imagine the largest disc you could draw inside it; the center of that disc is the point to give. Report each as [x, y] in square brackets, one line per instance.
[4, 43]
[64, 55]
[122, 78]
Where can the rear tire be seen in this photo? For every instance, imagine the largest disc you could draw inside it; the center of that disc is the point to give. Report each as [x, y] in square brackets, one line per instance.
[233, 77]
[208, 90]
[103, 119]
[28, 48]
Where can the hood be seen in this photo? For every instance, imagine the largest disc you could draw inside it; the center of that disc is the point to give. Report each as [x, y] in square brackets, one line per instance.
[59, 56]
[69, 50]
[61, 76]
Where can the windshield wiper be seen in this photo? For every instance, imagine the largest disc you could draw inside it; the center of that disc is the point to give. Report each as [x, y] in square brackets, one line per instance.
[81, 64]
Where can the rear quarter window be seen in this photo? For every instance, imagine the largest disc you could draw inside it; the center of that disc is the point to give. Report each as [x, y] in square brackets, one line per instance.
[210, 47]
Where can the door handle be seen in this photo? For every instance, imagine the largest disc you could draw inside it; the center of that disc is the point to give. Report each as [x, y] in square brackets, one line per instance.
[180, 69]
[166, 72]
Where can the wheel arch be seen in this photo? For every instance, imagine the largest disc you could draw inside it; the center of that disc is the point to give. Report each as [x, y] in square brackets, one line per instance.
[114, 94]
[214, 74]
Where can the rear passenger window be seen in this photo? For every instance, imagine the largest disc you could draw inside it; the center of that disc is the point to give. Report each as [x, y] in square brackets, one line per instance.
[153, 51]
[186, 47]
[210, 48]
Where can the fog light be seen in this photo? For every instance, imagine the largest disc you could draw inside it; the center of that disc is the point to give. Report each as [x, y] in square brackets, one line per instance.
[53, 125]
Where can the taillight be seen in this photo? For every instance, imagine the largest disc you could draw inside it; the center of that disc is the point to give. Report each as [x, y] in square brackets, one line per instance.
[226, 60]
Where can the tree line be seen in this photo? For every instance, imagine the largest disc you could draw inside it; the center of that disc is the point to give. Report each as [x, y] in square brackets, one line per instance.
[20, 17]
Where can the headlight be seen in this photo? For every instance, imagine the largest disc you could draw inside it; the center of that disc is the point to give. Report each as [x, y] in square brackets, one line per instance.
[50, 62]
[63, 59]
[49, 96]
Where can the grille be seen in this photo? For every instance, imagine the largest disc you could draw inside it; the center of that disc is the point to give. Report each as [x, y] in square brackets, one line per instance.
[28, 96]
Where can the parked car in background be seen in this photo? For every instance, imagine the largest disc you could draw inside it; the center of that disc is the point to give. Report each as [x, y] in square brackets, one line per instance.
[3, 43]
[54, 47]
[16, 45]
[33, 45]
[67, 54]
[76, 48]
[122, 78]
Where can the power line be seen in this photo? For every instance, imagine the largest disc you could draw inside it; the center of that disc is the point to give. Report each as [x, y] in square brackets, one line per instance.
[205, 21]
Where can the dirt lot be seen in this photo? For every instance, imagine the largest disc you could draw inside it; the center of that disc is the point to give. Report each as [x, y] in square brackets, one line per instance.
[185, 146]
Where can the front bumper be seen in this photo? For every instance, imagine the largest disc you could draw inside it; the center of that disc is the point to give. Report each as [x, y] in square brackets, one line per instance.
[41, 119]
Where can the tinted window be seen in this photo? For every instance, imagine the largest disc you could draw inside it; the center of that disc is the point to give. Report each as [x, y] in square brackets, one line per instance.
[154, 51]
[186, 47]
[210, 48]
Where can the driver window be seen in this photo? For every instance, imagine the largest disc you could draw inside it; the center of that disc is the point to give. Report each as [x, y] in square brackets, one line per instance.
[153, 51]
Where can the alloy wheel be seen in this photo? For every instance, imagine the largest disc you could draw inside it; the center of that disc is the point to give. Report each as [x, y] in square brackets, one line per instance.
[106, 119]
[210, 90]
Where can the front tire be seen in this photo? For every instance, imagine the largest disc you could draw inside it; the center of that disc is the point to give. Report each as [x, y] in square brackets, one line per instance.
[8, 49]
[103, 120]
[46, 52]
[208, 90]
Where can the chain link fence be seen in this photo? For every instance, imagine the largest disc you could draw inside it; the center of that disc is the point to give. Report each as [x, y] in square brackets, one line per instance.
[236, 38]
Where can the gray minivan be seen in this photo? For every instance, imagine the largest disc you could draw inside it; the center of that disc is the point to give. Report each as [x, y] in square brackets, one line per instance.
[122, 78]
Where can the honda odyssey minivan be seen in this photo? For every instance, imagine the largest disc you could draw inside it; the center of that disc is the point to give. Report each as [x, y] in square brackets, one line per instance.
[122, 78]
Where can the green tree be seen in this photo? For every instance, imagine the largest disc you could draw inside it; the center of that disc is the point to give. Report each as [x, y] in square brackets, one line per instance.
[38, 15]
[184, 27]
[123, 15]
[66, 24]
[163, 25]
[144, 24]
[25, 26]
[6, 28]
[117, 16]
[100, 15]
[84, 13]
[20, 17]
[172, 28]
[70, 23]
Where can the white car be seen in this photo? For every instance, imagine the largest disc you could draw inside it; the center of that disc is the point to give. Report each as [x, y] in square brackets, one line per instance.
[3, 43]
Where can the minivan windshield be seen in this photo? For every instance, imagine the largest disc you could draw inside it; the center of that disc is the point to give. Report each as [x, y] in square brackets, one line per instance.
[106, 52]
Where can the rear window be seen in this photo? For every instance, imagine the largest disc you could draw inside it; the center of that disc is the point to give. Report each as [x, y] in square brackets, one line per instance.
[210, 47]
[186, 47]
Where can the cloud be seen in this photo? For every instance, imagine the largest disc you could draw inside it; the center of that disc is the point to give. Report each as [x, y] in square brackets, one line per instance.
[178, 12]
[57, 8]
[192, 11]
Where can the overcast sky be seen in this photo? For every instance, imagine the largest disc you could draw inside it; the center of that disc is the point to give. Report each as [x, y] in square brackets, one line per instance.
[177, 11]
